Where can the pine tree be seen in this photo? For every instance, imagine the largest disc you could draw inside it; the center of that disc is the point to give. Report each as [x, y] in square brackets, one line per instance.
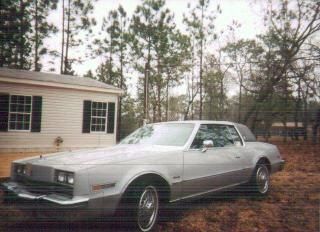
[75, 17]
[201, 28]
[15, 24]
[159, 50]
[42, 29]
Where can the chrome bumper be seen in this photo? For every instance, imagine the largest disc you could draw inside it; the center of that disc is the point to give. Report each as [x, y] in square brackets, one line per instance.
[282, 163]
[277, 167]
[16, 190]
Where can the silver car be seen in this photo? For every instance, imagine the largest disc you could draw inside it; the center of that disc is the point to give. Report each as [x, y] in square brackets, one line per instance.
[156, 164]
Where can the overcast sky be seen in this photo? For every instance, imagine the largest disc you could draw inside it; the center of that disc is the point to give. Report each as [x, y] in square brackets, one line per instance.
[247, 12]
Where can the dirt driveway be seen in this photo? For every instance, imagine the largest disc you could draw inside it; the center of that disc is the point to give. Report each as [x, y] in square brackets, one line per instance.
[292, 205]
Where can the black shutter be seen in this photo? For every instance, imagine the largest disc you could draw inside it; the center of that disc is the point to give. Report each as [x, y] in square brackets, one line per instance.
[111, 114]
[86, 117]
[36, 113]
[4, 111]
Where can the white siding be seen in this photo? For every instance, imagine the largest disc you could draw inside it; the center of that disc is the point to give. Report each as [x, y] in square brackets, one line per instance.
[62, 112]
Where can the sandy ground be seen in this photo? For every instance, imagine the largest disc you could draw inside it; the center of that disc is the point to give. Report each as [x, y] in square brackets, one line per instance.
[292, 205]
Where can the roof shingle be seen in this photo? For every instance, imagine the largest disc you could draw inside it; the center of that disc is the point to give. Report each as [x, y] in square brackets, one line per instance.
[55, 78]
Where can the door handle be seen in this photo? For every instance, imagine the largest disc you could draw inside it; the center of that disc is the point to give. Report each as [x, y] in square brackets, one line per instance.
[237, 156]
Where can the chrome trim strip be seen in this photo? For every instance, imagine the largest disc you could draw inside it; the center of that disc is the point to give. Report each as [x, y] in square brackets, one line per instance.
[68, 202]
[220, 174]
[30, 196]
[207, 192]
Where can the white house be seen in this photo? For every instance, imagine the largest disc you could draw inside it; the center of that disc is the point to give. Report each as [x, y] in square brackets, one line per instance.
[48, 112]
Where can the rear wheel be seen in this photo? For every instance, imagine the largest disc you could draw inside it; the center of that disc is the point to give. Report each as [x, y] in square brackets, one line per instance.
[260, 180]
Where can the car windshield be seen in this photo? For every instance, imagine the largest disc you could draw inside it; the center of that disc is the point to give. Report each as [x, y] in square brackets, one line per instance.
[168, 134]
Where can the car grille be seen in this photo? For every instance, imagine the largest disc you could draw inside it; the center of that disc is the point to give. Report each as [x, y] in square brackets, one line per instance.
[45, 188]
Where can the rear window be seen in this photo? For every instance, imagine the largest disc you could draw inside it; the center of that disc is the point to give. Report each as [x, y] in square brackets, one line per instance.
[246, 133]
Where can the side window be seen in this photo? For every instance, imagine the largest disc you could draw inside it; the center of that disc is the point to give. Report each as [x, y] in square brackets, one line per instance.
[246, 133]
[234, 135]
[205, 132]
[224, 139]
[221, 135]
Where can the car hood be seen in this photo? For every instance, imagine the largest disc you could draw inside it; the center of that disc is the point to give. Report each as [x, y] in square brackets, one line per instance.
[79, 159]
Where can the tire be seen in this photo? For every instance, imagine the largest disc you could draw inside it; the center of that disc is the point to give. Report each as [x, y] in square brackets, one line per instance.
[260, 181]
[140, 207]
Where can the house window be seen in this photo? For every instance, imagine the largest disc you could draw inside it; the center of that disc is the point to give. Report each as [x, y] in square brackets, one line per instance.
[98, 116]
[20, 112]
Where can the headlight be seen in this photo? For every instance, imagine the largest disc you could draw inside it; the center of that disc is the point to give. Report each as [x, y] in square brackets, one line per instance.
[64, 177]
[70, 179]
[20, 169]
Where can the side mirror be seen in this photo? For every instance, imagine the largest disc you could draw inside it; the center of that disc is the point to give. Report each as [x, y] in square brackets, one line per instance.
[207, 144]
[237, 143]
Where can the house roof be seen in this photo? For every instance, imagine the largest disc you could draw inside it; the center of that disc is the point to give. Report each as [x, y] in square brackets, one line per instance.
[289, 124]
[55, 80]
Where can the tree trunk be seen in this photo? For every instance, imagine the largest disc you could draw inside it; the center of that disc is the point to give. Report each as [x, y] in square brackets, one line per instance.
[21, 50]
[201, 57]
[305, 114]
[159, 85]
[159, 104]
[110, 74]
[286, 113]
[221, 100]
[154, 108]
[167, 96]
[62, 42]
[297, 111]
[146, 91]
[36, 47]
[240, 97]
[66, 58]
[315, 128]
[192, 88]
[121, 86]
[146, 82]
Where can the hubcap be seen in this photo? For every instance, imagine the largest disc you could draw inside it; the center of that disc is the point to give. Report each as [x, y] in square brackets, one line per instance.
[148, 208]
[262, 178]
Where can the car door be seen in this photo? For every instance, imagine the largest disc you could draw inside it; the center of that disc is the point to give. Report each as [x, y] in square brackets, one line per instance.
[244, 170]
[212, 168]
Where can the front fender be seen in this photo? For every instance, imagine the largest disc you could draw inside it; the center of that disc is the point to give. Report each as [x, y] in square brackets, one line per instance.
[129, 181]
[121, 176]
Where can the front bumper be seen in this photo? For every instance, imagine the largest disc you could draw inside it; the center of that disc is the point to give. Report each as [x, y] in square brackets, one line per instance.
[55, 207]
[282, 163]
[15, 191]
[41, 207]
[279, 166]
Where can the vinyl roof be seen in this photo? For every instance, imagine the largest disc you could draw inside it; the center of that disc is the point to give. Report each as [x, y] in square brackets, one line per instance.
[203, 122]
[54, 78]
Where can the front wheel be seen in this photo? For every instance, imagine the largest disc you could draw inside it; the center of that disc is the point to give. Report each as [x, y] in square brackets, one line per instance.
[148, 208]
[139, 207]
